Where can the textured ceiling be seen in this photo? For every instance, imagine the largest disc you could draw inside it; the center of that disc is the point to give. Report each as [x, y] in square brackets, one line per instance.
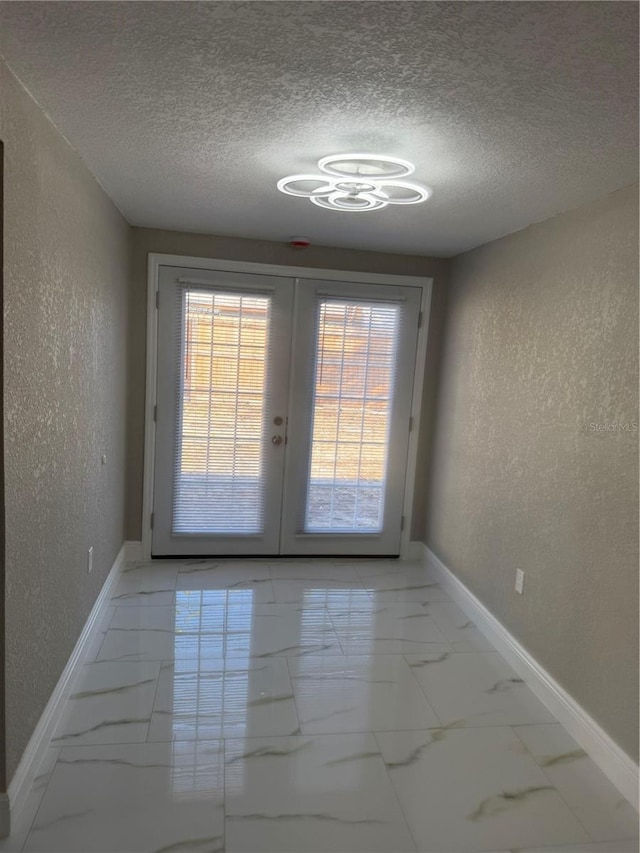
[188, 113]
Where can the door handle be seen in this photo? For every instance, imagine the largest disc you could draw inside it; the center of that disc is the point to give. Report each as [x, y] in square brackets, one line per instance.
[276, 439]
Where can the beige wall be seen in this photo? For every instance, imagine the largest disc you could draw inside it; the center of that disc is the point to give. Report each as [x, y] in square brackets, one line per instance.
[147, 240]
[67, 254]
[541, 341]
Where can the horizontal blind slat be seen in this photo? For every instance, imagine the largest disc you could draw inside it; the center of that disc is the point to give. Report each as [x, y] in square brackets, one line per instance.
[223, 397]
[356, 343]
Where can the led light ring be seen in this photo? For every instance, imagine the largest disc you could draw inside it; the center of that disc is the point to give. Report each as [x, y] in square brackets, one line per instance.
[421, 193]
[332, 203]
[403, 167]
[335, 207]
[347, 201]
[357, 203]
[326, 188]
[347, 186]
[353, 191]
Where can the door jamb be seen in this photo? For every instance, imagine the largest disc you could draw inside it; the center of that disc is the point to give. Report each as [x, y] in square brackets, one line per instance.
[156, 260]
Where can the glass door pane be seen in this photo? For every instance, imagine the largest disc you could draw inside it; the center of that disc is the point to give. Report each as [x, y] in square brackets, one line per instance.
[353, 367]
[220, 424]
[355, 357]
[223, 373]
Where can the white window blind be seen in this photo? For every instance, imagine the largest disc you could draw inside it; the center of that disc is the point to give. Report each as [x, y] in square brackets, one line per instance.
[354, 376]
[223, 396]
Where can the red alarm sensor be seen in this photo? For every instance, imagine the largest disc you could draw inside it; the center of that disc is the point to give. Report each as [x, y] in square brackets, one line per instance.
[300, 242]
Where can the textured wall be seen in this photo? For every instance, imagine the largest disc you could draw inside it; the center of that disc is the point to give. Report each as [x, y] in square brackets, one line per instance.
[67, 253]
[147, 240]
[540, 342]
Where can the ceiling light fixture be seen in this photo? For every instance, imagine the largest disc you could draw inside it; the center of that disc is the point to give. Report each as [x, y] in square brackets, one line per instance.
[357, 183]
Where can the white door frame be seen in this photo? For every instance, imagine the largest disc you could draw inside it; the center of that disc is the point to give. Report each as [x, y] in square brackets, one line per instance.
[156, 260]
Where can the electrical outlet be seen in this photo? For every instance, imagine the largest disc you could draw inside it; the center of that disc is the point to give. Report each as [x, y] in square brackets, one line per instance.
[520, 581]
[90, 560]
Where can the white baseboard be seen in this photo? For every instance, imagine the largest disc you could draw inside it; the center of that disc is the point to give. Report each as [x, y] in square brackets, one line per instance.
[612, 760]
[36, 748]
[133, 551]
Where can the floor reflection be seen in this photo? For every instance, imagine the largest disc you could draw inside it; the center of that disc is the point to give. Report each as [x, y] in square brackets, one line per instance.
[230, 677]
[306, 706]
[211, 670]
[212, 623]
[197, 769]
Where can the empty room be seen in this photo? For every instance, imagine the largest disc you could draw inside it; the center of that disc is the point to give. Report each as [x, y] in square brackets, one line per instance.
[319, 497]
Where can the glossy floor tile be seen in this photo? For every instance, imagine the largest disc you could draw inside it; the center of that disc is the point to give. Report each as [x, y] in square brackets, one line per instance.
[231, 697]
[457, 628]
[595, 801]
[213, 576]
[320, 793]
[110, 703]
[145, 584]
[393, 628]
[410, 585]
[476, 689]
[133, 797]
[22, 822]
[358, 694]
[475, 789]
[306, 705]
[312, 572]
[318, 591]
[285, 629]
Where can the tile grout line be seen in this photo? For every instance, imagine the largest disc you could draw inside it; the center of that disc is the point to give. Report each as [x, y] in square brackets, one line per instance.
[46, 788]
[104, 637]
[293, 693]
[396, 794]
[335, 631]
[153, 702]
[551, 782]
[423, 692]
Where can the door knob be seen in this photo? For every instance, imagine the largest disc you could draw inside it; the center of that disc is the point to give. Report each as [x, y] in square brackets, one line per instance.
[277, 439]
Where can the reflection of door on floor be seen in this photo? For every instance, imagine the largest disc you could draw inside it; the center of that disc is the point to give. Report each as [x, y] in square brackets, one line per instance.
[282, 414]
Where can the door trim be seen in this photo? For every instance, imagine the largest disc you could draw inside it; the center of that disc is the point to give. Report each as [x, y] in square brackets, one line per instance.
[156, 260]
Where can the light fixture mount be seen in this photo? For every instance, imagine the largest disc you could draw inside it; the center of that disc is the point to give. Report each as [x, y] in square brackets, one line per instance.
[357, 183]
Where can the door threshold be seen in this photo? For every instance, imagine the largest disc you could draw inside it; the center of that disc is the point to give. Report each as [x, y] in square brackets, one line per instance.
[200, 557]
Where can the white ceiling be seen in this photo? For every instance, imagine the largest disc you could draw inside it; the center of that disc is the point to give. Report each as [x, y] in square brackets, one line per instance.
[188, 113]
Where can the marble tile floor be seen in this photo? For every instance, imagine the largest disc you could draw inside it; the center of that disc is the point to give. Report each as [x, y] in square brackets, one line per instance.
[307, 705]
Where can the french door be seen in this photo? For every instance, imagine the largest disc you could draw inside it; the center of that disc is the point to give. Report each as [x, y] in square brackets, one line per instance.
[282, 417]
